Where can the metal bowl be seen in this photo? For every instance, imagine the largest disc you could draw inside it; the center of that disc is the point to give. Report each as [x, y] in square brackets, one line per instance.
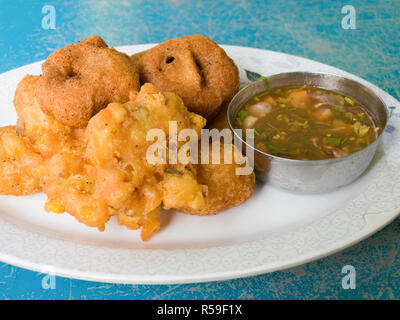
[312, 176]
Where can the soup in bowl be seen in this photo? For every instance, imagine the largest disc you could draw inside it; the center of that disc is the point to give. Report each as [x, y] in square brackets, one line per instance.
[313, 132]
[307, 123]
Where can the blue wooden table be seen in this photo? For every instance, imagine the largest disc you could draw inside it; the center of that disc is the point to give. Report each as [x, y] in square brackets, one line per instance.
[312, 29]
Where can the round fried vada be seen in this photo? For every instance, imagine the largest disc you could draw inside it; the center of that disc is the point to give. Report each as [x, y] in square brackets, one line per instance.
[81, 79]
[195, 68]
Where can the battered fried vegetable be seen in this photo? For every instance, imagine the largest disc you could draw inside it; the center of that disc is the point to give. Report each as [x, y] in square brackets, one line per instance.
[19, 165]
[195, 68]
[82, 133]
[47, 136]
[81, 79]
[225, 188]
[25, 93]
[110, 174]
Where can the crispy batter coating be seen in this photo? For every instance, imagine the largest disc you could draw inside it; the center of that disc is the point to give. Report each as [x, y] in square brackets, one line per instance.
[102, 170]
[111, 175]
[220, 122]
[82, 133]
[195, 68]
[20, 165]
[225, 189]
[47, 136]
[25, 93]
[81, 79]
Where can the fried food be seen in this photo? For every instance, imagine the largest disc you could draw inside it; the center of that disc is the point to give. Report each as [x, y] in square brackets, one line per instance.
[111, 174]
[193, 67]
[85, 135]
[220, 122]
[81, 79]
[93, 175]
[19, 164]
[225, 188]
[47, 136]
[25, 93]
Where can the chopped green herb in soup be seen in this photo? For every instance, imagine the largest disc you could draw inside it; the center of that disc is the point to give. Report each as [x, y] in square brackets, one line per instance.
[307, 123]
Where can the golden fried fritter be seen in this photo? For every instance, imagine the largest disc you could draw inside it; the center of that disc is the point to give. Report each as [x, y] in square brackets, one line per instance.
[82, 135]
[102, 170]
[195, 68]
[20, 165]
[81, 79]
[220, 122]
[25, 93]
[111, 175]
[225, 188]
[46, 134]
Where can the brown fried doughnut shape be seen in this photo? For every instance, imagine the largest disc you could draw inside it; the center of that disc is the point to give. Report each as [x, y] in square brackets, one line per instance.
[81, 79]
[193, 67]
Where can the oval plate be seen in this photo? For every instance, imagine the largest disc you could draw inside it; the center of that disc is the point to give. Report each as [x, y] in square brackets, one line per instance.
[273, 230]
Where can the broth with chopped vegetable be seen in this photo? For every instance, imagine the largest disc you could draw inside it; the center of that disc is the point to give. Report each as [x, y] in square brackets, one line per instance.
[307, 123]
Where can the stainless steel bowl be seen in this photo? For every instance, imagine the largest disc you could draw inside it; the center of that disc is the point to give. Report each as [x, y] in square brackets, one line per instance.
[312, 176]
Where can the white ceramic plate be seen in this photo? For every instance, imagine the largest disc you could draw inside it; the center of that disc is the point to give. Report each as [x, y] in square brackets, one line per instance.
[273, 230]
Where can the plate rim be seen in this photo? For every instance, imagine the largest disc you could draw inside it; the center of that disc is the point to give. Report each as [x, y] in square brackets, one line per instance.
[218, 276]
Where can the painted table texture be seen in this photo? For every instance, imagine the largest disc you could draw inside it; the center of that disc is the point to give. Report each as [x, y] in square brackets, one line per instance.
[313, 29]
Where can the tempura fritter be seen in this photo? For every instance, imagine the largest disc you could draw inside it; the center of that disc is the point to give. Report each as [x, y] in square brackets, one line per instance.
[193, 67]
[225, 188]
[103, 170]
[25, 93]
[20, 165]
[83, 129]
[46, 135]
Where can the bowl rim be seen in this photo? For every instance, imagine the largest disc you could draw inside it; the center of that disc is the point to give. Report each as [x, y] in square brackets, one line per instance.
[308, 162]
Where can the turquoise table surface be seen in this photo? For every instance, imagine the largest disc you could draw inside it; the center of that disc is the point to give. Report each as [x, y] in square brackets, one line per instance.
[312, 29]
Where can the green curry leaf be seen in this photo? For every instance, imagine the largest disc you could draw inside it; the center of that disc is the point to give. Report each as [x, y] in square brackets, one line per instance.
[332, 142]
[274, 150]
[252, 76]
